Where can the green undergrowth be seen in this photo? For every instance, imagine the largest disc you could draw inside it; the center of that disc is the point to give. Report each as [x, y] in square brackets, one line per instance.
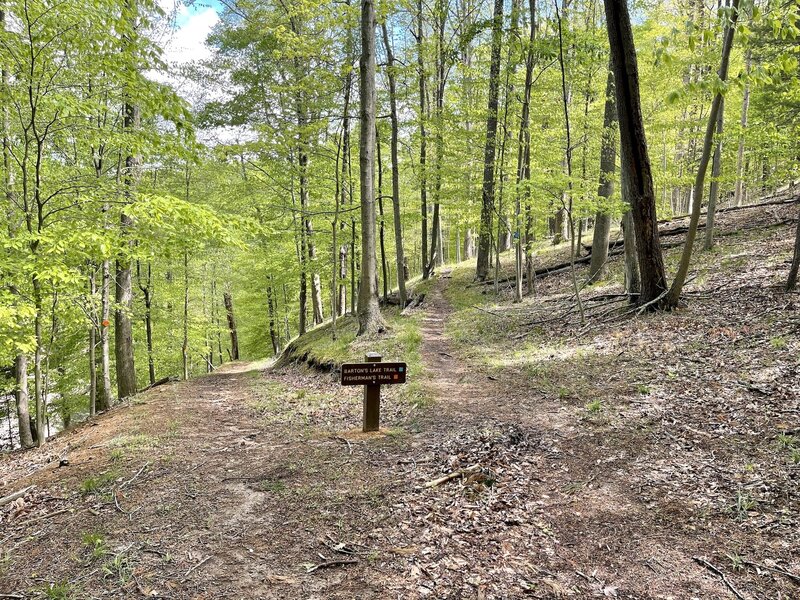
[320, 348]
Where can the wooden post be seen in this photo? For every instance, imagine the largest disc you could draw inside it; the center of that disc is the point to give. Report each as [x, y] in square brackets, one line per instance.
[372, 399]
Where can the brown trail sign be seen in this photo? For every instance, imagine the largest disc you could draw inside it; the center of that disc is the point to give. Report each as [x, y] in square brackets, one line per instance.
[372, 374]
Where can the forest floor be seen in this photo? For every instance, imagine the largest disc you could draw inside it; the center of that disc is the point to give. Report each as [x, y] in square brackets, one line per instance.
[634, 456]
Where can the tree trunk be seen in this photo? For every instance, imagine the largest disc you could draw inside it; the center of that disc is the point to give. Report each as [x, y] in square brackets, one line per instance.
[382, 231]
[21, 396]
[635, 164]
[423, 143]
[226, 298]
[273, 330]
[398, 228]
[523, 156]
[92, 344]
[791, 280]
[369, 315]
[487, 206]
[716, 171]
[608, 161]
[716, 106]
[739, 194]
[105, 345]
[633, 281]
[146, 288]
[185, 344]
[123, 326]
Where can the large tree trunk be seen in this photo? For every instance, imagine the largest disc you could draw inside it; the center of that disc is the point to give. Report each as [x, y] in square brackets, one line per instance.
[608, 161]
[423, 143]
[228, 300]
[21, 396]
[398, 227]
[638, 180]
[716, 106]
[369, 315]
[487, 206]
[123, 325]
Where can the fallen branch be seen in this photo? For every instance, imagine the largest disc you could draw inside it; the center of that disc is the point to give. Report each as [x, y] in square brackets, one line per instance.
[331, 563]
[43, 517]
[792, 576]
[132, 479]
[161, 381]
[198, 565]
[15, 495]
[445, 478]
[703, 562]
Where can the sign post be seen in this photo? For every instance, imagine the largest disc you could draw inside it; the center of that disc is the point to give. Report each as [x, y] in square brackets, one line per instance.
[372, 374]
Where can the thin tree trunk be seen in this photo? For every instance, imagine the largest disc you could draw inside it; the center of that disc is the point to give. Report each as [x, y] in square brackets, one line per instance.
[228, 300]
[423, 144]
[716, 106]
[565, 98]
[791, 280]
[608, 161]
[716, 171]
[398, 228]
[20, 360]
[273, 332]
[487, 205]
[369, 315]
[105, 345]
[382, 231]
[185, 344]
[635, 164]
[738, 195]
[523, 156]
[92, 344]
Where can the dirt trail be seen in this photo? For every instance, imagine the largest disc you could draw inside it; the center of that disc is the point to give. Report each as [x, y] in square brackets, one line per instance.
[246, 483]
[583, 528]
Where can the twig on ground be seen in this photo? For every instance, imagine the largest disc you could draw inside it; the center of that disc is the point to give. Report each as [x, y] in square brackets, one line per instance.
[132, 479]
[331, 563]
[444, 479]
[790, 575]
[703, 562]
[43, 517]
[198, 565]
[18, 494]
[346, 441]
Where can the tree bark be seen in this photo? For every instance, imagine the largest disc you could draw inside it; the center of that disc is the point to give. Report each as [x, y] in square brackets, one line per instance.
[738, 197]
[382, 230]
[716, 171]
[487, 205]
[105, 344]
[716, 106]
[608, 161]
[228, 301]
[398, 226]
[523, 157]
[123, 326]
[791, 280]
[369, 315]
[185, 344]
[21, 395]
[423, 143]
[635, 163]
